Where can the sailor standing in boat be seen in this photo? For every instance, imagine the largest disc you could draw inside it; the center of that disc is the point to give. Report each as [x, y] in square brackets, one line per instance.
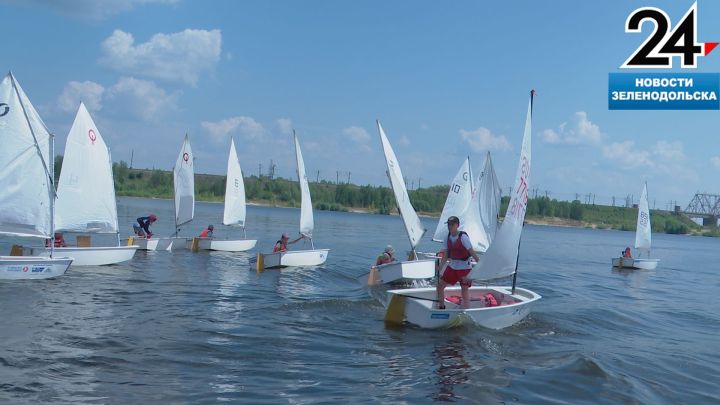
[458, 250]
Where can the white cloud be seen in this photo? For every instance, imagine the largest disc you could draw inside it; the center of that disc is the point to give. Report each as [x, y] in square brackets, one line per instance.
[482, 139]
[245, 126]
[88, 9]
[178, 57]
[404, 140]
[669, 150]
[715, 160]
[90, 93]
[357, 134]
[579, 130]
[142, 98]
[625, 154]
[285, 125]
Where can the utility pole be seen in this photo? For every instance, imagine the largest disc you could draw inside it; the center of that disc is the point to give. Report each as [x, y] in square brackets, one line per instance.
[317, 178]
[132, 155]
[337, 177]
[412, 185]
[259, 170]
[613, 201]
[419, 178]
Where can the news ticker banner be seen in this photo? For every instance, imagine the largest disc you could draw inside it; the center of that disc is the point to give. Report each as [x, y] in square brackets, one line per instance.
[663, 91]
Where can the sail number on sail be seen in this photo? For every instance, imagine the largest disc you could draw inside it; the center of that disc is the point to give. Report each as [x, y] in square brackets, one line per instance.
[519, 204]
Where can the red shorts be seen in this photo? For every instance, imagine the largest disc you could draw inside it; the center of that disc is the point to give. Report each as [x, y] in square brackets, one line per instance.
[452, 276]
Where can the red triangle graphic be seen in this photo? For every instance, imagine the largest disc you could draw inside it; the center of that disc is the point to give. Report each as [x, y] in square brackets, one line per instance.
[709, 46]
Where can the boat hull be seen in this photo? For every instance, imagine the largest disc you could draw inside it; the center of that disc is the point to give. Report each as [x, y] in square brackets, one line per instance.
[143, 243]
[32, 267]
[417, 306]
[636, 264]
[88, 256]
[295, 258]
[399, 272]
[237, 245]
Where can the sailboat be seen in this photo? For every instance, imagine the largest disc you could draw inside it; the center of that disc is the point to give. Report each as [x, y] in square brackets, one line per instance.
[494, 307]
[311, 257]
[184, 196]
[235, 210]
[643, 238]
[475, 202]
[414, 268]
[27, 180]
[86, 196]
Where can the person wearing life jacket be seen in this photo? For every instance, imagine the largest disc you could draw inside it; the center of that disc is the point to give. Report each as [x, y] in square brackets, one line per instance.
[142, 228]
[281, 245]
[58, 240]
[207, 233]
[627, 253]
[455, 264]
[387, 256]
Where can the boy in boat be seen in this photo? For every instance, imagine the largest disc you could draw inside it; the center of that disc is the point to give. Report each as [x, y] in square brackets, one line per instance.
[142, 228]
[207, 233]
[59, 240]
[627, 253]
[457, 253]
[387, 256]
[281, 245]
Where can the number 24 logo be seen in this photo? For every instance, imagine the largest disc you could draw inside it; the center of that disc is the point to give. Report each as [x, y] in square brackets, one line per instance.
[663, 43]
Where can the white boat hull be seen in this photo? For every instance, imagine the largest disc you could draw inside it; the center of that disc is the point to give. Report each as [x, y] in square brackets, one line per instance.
[399, 272]
[143, 243]
[417, 306]
[89, 256]
[632, 263]
[237, 245]
[32, 267]
[295, 258]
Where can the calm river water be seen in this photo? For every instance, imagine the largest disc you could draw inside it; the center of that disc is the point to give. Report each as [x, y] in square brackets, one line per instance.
[205, 327]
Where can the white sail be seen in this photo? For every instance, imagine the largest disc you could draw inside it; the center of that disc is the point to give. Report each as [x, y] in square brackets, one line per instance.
[25, 179]
[457, 200]
[489, 199]
[234, 213]
[86, 192]
[306, 210]
[501, 258]
[413, 226]
[643, 231]
[184, 183]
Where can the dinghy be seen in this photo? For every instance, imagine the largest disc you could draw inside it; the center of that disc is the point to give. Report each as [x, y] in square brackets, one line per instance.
[86, 197]
[235, 210]
[184, 196]
[643, 239]
[494, 307]
[28, 197]
[312, 257]
[407, 270]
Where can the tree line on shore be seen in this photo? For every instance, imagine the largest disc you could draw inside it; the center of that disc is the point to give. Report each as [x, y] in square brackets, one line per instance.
[379, 199]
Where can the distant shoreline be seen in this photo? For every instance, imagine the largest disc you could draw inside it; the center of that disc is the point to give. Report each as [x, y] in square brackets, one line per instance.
[540, 221]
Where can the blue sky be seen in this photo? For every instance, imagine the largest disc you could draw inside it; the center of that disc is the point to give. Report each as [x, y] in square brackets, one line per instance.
[446, 79]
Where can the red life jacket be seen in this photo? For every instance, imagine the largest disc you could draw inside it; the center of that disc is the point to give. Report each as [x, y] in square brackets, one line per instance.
[456, 250]
[205, 233]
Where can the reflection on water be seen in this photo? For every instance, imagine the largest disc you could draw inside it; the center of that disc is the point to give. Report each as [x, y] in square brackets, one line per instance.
[452, 369]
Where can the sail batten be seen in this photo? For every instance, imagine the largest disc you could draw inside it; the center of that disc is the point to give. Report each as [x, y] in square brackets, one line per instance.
[457, 201]
[501, 257]
[413, 226]
[25, 178]
[184, 184]
[307, 223]
[86, 191]
[235, 210]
